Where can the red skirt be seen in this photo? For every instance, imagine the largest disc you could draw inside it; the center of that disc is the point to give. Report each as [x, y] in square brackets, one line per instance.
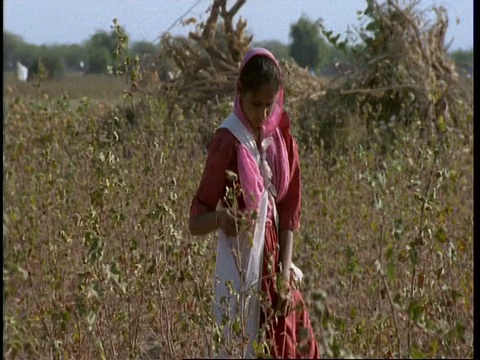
[288, 336]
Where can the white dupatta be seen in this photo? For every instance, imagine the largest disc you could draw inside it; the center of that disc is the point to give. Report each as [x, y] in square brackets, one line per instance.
[240, 260]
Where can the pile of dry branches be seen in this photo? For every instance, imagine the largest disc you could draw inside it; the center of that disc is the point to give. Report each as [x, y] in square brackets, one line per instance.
[208, 60]
[402, 70]
[300, 84]
[400, 75]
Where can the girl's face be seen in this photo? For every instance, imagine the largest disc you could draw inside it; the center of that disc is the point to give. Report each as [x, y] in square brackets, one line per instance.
[257, 104]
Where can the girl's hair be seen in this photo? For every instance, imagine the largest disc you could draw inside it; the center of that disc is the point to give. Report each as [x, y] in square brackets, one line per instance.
[258, 71]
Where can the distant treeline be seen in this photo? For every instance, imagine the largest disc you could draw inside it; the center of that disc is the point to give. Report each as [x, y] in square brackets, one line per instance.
[308, 48]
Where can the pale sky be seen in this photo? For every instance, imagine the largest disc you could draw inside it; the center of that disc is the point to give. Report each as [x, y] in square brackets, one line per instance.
[73, 22]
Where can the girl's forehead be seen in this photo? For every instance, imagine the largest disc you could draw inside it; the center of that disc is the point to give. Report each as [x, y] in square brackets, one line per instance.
[265, 92]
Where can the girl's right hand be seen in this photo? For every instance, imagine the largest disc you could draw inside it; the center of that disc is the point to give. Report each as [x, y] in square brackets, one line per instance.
[230, 224]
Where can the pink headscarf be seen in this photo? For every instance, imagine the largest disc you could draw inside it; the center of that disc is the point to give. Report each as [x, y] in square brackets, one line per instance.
[277, 156]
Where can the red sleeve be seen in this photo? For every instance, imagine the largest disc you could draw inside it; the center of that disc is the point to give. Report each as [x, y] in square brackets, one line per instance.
[289, 208]
[221, 156]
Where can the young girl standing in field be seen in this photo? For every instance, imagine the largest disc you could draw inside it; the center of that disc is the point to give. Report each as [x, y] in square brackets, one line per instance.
[257, 281]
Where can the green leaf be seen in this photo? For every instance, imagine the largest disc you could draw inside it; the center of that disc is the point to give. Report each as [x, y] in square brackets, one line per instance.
[459, 331]
[413, 256]
[414, 310]
[391, 271]
[441, 235]
[416, 353]
[237, 329]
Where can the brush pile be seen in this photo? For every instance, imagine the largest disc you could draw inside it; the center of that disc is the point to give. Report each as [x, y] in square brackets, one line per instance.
[206, 64]
[208, 60]
[400, 73]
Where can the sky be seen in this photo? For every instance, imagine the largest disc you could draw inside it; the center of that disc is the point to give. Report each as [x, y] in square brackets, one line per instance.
[47, 22]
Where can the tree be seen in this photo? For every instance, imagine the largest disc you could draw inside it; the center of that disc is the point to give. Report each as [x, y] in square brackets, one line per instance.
[72, 55]
[16, 49]
[101, 49]
[307, 48]
[49, 63]
[98, 60]
[10, 42]
[143, 48]
[102, 39]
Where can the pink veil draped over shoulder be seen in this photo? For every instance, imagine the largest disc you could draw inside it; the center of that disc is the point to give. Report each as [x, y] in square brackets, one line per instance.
[277, 157]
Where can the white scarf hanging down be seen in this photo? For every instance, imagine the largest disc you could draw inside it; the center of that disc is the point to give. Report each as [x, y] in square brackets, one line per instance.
[239, 260]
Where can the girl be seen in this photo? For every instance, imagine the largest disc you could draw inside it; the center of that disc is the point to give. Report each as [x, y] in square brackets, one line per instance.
[257, 288]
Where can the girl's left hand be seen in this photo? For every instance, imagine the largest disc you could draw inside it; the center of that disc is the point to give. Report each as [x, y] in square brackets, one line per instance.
[284, 305]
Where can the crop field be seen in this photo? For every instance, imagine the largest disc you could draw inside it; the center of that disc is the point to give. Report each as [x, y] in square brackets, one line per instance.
[99, 263]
